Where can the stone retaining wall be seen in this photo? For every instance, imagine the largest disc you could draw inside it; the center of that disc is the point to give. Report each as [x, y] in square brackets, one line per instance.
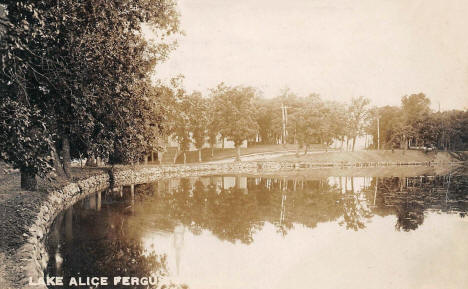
[306, 165]
[32, 258]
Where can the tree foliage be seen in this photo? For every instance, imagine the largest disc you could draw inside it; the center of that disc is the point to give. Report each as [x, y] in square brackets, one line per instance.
[414, 123]
[83, 68]
[235, 113]
[199, 120]
[357, 112]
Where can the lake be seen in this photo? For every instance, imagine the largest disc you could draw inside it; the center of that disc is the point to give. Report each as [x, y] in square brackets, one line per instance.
[240, 232]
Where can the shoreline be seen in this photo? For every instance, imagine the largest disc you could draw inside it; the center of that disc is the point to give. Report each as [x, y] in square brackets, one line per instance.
[29, 215]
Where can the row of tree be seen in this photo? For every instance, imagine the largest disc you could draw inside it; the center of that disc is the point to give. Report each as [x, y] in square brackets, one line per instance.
[310, 120]
[227, 114]
[415, 124]
[241, 114]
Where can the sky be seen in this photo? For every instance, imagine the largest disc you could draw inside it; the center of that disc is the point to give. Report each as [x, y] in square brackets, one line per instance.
[380, 49]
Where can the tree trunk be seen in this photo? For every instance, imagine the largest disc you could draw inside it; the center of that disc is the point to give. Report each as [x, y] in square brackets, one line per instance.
[28, 180]
[297, 151]
[223, 141]
[66, 160]
[185, 158]
[238, 151]
[199, 156]
[354, 142]
[212, 150]
[347, 144]
[90, 161]
[305, 149]
[56, 159]
[160, 155]
[176, 155]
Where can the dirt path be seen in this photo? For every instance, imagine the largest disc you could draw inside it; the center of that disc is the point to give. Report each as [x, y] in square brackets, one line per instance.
[252, 157]
[263, 156]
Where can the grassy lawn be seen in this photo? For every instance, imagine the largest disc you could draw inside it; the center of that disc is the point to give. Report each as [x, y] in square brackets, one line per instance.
[369, 156]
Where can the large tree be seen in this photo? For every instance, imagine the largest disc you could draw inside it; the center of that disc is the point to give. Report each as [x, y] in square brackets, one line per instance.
[212, 126]
[83, 67]
[357, 114]
[181, 130]
[235, 113]
[305, 122]
[388, 119]
[198, 121]
[414, 108]
[267, 114]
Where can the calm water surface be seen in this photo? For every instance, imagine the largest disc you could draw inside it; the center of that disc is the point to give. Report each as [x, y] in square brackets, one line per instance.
[234, 232]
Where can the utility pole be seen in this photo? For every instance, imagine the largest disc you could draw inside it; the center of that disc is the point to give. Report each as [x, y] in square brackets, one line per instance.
[378, 132]
[284, 113]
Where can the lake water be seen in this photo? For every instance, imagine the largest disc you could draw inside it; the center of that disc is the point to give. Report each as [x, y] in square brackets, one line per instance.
[235, 232]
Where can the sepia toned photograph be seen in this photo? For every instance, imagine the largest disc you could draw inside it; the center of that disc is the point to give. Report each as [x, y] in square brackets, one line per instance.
[219, 144]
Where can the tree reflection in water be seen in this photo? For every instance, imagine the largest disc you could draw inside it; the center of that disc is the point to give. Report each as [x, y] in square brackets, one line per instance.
[235, 213]
[88, 240]
[411, 197]
[84, 243]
